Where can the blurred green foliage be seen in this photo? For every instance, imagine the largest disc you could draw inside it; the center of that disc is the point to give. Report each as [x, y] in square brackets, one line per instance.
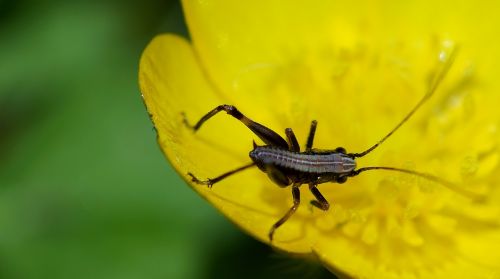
[85, 191]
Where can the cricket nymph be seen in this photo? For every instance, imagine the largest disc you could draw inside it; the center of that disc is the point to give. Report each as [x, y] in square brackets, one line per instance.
[286, 167]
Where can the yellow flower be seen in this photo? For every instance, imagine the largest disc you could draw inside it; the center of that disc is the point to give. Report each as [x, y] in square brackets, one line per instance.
[357, 68]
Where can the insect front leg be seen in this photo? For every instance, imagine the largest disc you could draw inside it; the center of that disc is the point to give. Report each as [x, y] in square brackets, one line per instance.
[320, 201]
[265, 134]
[290, 212]
[310, 138]
[211, 181]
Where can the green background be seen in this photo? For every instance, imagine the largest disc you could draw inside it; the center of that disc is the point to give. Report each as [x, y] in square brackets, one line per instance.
[85, 191]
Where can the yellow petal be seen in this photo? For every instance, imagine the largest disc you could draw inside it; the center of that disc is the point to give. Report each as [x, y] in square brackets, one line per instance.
[239, 42]
[172, 82]
[357, 68]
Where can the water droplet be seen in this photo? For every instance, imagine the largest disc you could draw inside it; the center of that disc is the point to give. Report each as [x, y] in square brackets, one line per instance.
[443, 56]
[448, 43]
[448, 46]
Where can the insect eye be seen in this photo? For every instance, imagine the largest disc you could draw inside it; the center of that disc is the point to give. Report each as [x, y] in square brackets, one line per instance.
[340, 150]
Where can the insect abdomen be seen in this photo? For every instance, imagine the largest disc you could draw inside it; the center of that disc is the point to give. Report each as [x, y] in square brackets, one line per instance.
[303, 162]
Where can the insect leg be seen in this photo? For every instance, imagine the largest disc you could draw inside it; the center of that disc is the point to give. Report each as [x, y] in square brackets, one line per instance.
[310, 138]
[211, 181]
[265, 134]
[290, 212]
[293, 144]
[277, 176]
[320, 201]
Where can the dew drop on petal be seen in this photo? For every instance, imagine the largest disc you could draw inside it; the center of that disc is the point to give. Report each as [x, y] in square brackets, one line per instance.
[448, 46]
[442, 56]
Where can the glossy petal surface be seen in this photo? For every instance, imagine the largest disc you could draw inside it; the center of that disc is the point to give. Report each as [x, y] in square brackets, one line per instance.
[357, 69]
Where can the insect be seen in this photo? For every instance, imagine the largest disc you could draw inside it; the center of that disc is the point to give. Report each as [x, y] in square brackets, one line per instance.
[286, 165]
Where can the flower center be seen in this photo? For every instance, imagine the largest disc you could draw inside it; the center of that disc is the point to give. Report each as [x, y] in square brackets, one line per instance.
[358, 95]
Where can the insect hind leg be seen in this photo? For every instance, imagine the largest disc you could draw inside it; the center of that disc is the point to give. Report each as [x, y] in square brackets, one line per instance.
[265, 134]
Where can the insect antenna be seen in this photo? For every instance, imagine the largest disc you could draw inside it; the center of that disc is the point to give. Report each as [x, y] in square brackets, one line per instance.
[432, 88]
[430, 177]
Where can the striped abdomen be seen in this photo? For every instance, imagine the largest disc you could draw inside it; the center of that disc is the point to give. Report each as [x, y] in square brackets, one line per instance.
[327, 162]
